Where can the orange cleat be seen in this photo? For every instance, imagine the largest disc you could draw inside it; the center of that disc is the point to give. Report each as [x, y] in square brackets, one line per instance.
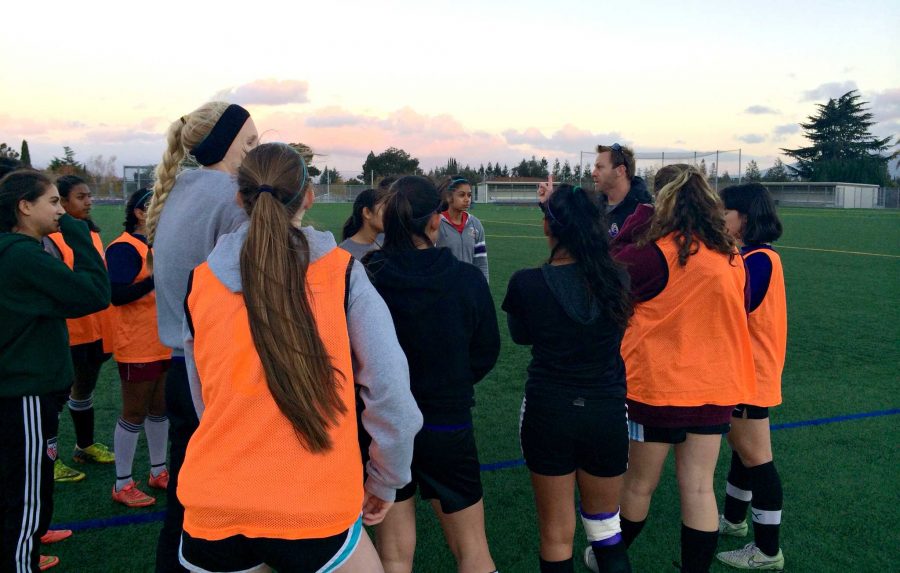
[55, 536]
[131, 496]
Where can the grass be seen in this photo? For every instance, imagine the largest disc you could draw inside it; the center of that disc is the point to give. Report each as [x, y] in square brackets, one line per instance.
[840, 480]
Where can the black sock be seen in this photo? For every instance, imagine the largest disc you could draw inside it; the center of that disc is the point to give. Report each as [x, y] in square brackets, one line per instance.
[631, 529]
[737, 491]
[567, 566]
[768, 500]
[83, 421]
[697, 549]
[612, 558]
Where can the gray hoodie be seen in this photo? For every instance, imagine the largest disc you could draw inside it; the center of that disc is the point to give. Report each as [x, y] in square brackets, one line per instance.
[391, 416]
[201, 207]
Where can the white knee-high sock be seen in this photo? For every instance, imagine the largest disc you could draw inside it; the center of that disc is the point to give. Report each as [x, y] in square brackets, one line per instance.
[126, 438]
[156, 429]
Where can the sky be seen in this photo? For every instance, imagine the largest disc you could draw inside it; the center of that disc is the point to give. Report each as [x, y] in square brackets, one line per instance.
[478, 81]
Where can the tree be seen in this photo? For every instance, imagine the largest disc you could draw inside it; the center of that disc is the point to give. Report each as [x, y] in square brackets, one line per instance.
[566, 172]
[391, 161]
[67, 165]
[26, 154]
[330, 176]
[777, 172]
[702, 167]
[842, 148]
[556, 169]
[752, 174]
[308, 156]
[7, 151]
[103, 176]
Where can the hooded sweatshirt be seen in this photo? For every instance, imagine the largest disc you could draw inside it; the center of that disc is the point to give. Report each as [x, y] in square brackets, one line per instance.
[200, 208]
[37, 294]
[379, 366]
[549, 308]
[637, 195]
[446, 323]
[467, 245]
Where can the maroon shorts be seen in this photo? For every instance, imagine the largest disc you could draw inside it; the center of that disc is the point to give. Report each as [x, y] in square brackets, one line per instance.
[142, 371]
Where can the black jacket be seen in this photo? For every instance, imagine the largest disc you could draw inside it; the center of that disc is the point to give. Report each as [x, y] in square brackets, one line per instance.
[637, 195]
[446, 324]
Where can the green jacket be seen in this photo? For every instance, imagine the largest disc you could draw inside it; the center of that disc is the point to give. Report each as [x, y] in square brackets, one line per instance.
[37, 294]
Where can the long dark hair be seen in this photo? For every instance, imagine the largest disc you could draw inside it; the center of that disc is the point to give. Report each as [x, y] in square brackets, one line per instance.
[448, 185]
[19, 185]
[407, 212]
[578, 226]
[138, 200]
[755, 202]
[272, 181]
[688, 207]
[367, 199]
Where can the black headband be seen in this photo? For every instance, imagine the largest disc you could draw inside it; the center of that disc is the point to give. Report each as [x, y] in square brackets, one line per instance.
[213, 149]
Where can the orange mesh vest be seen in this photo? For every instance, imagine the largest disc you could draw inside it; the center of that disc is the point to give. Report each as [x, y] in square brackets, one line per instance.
[690, 345]
[245, 471]
[95, 326]
[768, 333]
[136, 337]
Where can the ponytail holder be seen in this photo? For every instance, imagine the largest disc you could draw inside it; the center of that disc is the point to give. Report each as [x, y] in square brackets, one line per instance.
[266, 189]
[183, 121]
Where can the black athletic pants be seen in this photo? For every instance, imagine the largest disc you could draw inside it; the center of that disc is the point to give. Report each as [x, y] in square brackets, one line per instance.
[182, 423]
[28, 427]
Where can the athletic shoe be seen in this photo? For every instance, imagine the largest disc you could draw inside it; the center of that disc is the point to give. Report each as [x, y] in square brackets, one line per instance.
[159, 482]
[750, 557]
[47, 561]
[732, 529]
[63, 473]
[590, 560]
[55, 536]
[131, 496]
[95, 453]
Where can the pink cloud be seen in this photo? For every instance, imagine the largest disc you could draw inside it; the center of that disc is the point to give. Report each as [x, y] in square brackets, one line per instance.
[266, 92]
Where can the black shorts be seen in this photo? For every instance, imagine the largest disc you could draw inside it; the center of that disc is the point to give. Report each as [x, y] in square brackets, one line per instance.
[641, 433]
[88, 354]
[562, 431]
[748, 412]
[445, 467]
[251, 554]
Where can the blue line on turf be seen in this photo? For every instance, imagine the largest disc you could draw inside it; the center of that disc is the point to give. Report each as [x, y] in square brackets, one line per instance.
[121, 520]
[112, 521]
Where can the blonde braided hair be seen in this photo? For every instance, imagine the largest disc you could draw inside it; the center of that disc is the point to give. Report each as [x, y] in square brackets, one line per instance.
[183, 135]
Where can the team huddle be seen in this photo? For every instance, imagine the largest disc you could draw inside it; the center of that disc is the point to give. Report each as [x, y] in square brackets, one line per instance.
[334, 381]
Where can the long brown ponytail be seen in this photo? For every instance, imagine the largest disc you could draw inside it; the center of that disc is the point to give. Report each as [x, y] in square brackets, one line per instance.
[272, 180]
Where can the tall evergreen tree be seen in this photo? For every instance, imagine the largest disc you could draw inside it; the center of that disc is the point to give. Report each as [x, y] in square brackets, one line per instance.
[25, 154]
[841, 146]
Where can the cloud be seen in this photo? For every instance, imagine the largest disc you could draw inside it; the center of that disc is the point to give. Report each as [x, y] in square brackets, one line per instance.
[829, 90]
[760, 110]
[787, 129]
[781, 132]
[751, 138]
[335, 117]
[568, 139]
[886, 105]
[266, 92]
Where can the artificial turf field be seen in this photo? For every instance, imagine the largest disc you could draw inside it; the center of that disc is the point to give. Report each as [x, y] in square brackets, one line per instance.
[840, 477]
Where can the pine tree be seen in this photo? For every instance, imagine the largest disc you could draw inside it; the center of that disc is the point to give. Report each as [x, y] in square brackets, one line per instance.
[25, 154]
[842, 148]
[752, 174]
[777, 172]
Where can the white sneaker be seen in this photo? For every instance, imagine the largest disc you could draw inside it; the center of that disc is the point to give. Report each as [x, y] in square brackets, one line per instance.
[590, 560]
[732, 529]
[750, 557]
